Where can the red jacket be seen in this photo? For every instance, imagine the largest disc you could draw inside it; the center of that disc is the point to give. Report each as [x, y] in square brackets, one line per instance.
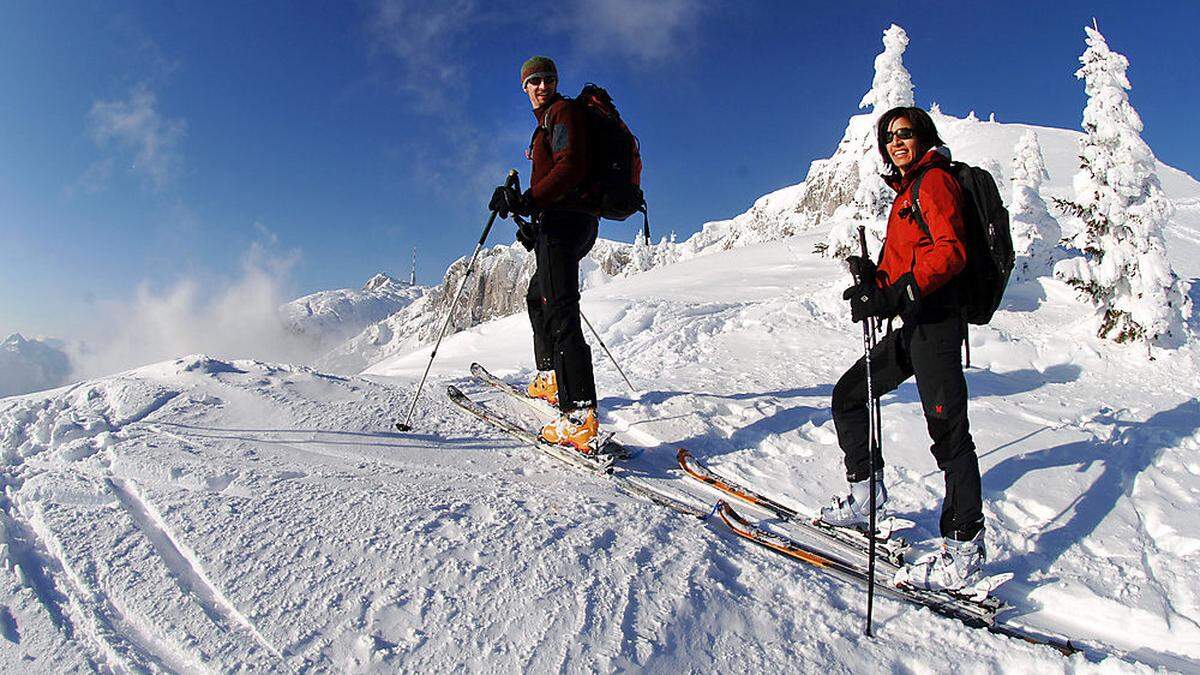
[936, 257]
[559, 153]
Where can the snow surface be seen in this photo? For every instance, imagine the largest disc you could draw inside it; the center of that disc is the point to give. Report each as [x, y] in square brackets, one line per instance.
[202, 515]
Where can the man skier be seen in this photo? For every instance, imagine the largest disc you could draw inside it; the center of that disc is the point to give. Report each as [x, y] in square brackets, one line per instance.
[916, 280]
[563, 230]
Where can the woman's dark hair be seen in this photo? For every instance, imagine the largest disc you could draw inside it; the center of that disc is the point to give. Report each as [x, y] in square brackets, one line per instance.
[921, 123]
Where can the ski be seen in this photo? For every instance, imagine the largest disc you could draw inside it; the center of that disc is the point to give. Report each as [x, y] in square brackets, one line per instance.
[971, 613]
[887, 548]
[601, 465]
[538, 405]
[607, 446]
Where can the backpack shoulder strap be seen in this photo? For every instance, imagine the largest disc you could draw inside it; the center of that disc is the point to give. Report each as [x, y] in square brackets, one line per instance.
[916, 199]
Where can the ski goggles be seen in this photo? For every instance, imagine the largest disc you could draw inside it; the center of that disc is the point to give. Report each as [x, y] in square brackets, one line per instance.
[903, 133]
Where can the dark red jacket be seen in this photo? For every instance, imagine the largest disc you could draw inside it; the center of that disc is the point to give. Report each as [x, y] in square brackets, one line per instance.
[559, 152]
[936, 257]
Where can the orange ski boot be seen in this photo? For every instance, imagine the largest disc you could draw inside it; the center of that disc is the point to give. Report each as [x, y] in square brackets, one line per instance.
[577, 429]
[544, 386]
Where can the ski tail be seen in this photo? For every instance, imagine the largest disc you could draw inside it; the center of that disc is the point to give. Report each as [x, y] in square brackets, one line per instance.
[701, 473]
[889, 549]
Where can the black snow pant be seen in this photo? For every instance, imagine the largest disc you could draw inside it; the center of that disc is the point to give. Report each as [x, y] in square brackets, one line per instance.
[563, 239]
[930, 349]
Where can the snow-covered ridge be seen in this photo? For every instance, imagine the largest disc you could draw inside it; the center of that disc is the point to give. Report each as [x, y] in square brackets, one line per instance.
[328, 318]
[827, 191]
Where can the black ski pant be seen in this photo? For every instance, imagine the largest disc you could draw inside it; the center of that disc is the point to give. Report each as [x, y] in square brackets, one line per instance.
[930, 350]
[563, 239]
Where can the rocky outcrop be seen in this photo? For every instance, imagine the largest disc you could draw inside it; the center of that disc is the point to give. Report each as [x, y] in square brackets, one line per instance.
[496, 288]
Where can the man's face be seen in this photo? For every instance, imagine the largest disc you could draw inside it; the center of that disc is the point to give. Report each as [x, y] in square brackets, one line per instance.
[540, 89]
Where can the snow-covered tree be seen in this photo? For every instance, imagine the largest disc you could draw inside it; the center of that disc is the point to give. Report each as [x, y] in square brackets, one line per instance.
[1035, 232]
[891, 87]
[1124, 269]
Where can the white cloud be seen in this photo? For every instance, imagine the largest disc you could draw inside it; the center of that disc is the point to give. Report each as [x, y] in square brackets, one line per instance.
[94, 179]
[135, 126]
[424, 39]
[238, 319]
[642, 31]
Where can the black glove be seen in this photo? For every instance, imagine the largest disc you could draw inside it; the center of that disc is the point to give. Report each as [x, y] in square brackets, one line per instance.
[507, 199]
[902, 298]
[862, 268]
[527, 234]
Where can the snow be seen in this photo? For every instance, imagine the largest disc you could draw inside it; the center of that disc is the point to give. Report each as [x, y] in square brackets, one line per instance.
[210, 515]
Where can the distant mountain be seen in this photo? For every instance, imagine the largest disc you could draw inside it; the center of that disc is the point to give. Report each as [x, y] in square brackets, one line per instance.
[497, 288]
[327, 318]
[32, 365]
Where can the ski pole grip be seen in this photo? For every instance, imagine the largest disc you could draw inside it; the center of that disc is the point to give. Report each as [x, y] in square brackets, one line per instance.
[862, 247]
[513, 181]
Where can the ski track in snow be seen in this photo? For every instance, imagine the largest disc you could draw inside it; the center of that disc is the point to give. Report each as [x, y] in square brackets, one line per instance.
[183, 563]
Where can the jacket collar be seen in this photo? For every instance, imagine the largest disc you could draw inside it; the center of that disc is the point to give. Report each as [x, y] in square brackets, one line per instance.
[540, 111]
[939, 155]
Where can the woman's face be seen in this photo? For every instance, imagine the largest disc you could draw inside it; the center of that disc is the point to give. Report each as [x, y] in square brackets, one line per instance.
[903, 151]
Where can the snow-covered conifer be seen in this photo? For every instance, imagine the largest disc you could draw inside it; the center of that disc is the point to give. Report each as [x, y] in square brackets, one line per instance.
[1035, 232]
[891, 87]
[1118, 196]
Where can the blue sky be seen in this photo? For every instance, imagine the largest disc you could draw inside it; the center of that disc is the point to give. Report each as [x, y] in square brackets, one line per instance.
[148, 145]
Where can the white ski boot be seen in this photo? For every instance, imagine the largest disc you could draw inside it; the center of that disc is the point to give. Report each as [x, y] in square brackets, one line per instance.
[854, 510]
[956, 567]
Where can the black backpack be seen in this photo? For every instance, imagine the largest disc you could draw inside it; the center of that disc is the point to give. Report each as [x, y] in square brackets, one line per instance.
[988, 240]
[614, 172]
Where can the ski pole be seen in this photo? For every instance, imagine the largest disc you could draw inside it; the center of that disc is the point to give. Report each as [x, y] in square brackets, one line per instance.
[406, 425]
[605, 348]
[872, 438]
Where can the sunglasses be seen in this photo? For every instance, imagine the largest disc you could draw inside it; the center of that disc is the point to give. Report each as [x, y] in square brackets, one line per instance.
[903, 133]
[537, 81]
